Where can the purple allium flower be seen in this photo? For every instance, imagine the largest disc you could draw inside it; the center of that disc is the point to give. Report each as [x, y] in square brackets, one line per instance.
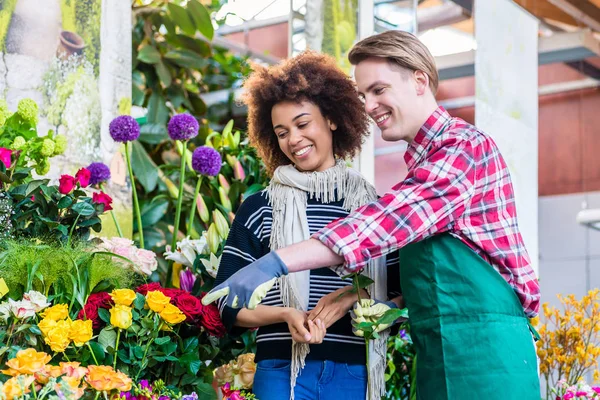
[191, 396]
[124, 128]
[100, 172]
[206, 161]
[183, 127]
[187, 280]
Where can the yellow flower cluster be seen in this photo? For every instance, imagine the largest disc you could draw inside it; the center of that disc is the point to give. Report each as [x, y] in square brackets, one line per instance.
[239, 373]
[31, 366]
[58, 330]
[121, 316]
[570, 339]
[161, 304]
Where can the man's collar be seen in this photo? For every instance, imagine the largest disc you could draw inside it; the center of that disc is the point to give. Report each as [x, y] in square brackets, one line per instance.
[429, 130]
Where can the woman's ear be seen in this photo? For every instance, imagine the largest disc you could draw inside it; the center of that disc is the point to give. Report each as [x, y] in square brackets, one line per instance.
[332, 125]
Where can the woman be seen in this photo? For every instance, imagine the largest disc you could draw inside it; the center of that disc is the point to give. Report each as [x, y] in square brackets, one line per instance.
[305, 119]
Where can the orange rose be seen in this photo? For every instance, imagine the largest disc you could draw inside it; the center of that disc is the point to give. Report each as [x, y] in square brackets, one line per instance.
[49, 371]
[73, 369]
[17, 386]
[104, 378]
[27, 362]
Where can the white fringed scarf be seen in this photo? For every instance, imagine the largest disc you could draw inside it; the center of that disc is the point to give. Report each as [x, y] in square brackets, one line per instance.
[288, 193]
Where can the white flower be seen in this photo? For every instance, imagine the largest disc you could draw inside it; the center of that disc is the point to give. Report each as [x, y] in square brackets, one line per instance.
[21, 309]
[4, 311]
[144, 261]
[212, 265]
[38, 300]
[187, 250]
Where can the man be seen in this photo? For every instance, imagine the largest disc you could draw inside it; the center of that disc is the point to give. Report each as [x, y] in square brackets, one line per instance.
[465, 273]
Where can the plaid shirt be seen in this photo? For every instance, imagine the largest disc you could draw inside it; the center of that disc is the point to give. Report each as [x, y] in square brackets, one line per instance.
[457, 182]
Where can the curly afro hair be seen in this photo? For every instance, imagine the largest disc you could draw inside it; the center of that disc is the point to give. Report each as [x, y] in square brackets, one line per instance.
[312, 77]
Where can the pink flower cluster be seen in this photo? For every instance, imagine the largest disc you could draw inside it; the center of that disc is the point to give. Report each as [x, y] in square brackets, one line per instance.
[68, 183]
[142, 261]
[581, 390]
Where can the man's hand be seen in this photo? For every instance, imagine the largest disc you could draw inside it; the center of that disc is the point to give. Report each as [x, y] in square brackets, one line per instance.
[334, 306]
[248, 286]
[368, 310]
[297, 324]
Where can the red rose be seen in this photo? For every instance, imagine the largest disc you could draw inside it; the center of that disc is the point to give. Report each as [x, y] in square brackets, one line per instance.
[83, 177]
[103, 198]
[90, 311]
[173, 294]
[5, 156]
[100, 299]
[66, 184]
[189, 305]
[211, 320]
[148, 287]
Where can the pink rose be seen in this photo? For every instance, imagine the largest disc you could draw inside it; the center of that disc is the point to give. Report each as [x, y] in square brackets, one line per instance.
[83, 177]
[66, 184]
[144, 261]
[5, 156]
[103, 198]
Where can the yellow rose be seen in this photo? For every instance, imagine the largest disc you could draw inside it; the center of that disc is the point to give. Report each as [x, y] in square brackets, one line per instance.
[49, 371]
[123, 296]
[81, 332]
[57, 312]
[246, 370]
[27, 362]
[120, 316]
[157, 301]
[224, 374]
[58, 336]
[104, 378]
[172, 314]
[45, 325]
[14, 386]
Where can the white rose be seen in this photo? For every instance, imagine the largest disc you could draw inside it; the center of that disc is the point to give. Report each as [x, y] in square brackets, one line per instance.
[38, 300]
[4, 311]
[21, 309]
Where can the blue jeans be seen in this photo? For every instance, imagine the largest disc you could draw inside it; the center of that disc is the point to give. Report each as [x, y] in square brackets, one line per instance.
[319, 380]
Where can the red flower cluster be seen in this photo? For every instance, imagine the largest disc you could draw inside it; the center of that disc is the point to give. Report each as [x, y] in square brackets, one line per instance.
[90, 310]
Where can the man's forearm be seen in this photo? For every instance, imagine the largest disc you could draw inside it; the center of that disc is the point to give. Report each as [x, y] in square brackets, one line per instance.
[310, 254]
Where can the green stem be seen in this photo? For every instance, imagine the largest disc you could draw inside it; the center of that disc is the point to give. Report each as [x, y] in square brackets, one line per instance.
[112, 214]
[193, 208]
[179, 198]
[136, 204]
[97, 395]
[33, 390]
[143, 359]
[92, 351]
[72, 229]
[66, 356]
[116, 349]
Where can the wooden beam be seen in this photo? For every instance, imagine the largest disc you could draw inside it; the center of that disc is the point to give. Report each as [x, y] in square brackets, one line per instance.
[583, 11]
[543, 9]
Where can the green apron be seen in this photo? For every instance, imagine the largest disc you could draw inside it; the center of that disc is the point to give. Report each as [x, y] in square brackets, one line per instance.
[471, 335]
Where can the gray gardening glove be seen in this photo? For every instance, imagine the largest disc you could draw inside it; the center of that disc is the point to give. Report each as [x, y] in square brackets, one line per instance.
[248, 286]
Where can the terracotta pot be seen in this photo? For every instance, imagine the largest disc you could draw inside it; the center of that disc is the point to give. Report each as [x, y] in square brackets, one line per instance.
[70, 43]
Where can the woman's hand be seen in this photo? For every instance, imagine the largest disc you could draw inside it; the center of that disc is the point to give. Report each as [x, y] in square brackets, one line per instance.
[297, 324]
[334, 306]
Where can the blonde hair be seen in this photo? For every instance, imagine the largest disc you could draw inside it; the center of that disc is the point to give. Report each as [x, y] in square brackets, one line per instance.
[399, 48]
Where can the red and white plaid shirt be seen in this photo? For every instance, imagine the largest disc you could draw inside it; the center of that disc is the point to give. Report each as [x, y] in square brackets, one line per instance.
[457, 182]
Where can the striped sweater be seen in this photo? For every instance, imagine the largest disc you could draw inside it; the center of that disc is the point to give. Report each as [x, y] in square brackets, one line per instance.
[249, 239]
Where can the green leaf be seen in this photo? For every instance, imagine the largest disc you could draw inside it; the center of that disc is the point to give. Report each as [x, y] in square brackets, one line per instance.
[104, 315]
[139, 301]
[35, 329]
[149, 54]
[65, 202]
[144, 169]
[182, 19]
[201, 18]
[107, 338]
[33, 185]
[392, 315]
[162, 340]
[228, 128]
[153, 133]
[186, 58]
[200, 46]
[257, 187]
[153, 212]
[62, 229]
[84, 209]
[163, 74]
[98, 350]
[205, 391]
[190, 344]
[158, 112]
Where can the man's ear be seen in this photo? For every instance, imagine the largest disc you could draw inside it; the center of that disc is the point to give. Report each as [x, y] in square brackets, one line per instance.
[421, 82]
